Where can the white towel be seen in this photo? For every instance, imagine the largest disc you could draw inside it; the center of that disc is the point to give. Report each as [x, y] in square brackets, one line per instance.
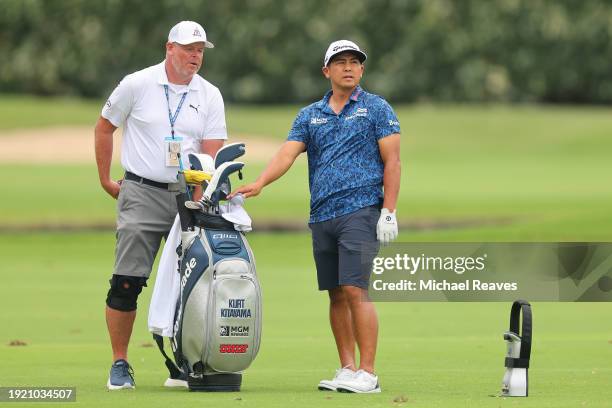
[233, 212]
[167, 285]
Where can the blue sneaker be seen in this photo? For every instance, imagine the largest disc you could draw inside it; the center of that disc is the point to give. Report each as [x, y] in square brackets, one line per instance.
[121, 376]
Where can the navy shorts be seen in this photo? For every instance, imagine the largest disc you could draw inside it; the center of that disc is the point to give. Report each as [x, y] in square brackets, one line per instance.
[344, 248]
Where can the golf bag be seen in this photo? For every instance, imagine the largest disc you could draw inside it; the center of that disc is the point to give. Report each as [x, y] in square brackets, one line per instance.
[217, 324]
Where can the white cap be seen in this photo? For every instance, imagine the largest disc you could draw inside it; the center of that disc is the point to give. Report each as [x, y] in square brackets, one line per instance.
[341, 46]
[188, 32]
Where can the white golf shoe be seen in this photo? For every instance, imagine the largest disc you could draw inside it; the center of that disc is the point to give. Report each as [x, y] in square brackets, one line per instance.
[362, 383]
[178, 381]
[175, 382]
[341, 374]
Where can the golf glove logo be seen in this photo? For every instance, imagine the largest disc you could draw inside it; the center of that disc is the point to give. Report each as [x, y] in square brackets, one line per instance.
[386, 229]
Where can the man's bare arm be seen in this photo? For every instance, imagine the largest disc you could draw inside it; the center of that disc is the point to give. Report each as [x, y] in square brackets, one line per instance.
[211, 146]
[278, 165]
[104, 154]
[389, 147]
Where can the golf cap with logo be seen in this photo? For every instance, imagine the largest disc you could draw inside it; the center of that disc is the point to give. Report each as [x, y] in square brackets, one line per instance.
[188, 32]
[338, 47]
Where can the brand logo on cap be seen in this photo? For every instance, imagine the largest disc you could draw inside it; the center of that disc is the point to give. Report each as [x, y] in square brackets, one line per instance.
[340, 47]
[196, 33]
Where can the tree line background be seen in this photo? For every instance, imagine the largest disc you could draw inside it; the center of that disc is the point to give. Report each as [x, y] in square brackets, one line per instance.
[270, 51]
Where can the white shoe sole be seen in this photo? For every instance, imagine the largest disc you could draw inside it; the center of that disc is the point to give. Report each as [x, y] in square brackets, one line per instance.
[175, 383]
[349, 389]
[326, 386]
[126, 386]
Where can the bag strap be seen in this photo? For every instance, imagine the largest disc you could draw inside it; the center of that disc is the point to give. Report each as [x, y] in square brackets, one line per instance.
[172, 368]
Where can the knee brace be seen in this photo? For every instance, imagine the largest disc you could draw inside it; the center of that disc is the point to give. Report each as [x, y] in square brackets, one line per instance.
[124, 291]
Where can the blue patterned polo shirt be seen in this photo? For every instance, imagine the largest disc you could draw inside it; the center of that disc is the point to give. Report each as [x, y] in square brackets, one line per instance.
[345, 170]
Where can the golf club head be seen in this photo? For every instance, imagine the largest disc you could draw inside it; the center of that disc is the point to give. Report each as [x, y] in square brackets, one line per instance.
[220, 175]
[229, 153]
[221, 193]
[194, 205]
[202, 162]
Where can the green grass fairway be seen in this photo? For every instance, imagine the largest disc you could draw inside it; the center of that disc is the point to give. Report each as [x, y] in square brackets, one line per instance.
[432, 354]
[24, 111]
[469, 172]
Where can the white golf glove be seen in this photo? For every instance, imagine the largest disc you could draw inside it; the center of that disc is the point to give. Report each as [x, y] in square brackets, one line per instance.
[386, 229]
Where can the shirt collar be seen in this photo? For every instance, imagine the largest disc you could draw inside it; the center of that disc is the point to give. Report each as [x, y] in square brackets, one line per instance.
[323, 103]
[355, 96]
[162, 78]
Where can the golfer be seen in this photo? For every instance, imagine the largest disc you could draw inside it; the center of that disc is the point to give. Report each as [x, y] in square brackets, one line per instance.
[352, 141]
[167, 111]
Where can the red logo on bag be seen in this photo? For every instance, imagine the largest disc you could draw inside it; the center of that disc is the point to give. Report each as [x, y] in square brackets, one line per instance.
[233, 348]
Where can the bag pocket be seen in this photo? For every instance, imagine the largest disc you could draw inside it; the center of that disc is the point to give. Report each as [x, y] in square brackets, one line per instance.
[235, 317]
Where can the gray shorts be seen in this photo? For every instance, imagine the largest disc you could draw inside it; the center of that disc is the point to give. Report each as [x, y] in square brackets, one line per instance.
[344, 248]
[145, 215]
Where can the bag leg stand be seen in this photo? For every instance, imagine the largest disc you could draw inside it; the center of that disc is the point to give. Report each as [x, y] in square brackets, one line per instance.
[515, 382]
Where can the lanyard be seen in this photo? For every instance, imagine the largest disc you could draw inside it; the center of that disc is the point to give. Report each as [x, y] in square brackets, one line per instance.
[178, 109]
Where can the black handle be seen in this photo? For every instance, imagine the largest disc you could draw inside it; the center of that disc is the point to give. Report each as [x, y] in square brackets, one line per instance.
[525, 333]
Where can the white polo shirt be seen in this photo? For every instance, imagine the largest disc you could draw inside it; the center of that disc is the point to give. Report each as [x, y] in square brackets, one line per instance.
[139, 105]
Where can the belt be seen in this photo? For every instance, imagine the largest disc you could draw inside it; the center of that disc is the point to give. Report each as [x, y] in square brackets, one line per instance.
[142, 180]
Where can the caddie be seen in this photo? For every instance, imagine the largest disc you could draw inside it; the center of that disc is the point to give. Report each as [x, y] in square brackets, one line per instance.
[167, 111]
[352, 139]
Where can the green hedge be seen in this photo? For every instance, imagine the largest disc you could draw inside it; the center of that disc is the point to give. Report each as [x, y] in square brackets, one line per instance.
[271, 51]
